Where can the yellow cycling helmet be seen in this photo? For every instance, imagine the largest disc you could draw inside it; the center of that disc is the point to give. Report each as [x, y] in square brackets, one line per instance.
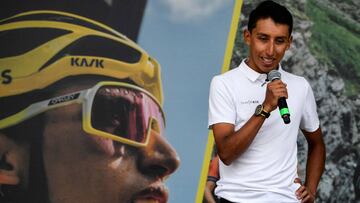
[42, 47]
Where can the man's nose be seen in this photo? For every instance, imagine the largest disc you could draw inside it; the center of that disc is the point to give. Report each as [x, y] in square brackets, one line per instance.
[270, 48]
[158, 158]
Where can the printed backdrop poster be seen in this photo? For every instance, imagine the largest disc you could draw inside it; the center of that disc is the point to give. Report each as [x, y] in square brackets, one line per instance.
[86, 87]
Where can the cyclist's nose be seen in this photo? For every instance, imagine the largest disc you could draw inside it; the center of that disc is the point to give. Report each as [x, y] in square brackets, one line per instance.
[158, 158]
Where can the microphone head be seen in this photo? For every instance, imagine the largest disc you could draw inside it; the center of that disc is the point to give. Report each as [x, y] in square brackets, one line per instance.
[274, 75]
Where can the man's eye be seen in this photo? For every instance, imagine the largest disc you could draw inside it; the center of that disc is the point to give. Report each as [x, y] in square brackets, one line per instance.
[262, 38]
[280, 41]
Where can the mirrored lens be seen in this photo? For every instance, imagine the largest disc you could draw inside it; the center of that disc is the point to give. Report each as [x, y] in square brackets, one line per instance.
[125, 112]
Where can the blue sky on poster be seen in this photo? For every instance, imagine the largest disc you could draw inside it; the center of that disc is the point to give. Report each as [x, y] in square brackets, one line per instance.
[188, 11]
[188, 38]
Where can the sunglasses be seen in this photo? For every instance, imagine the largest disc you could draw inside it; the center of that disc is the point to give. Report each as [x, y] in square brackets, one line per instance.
[115, 110]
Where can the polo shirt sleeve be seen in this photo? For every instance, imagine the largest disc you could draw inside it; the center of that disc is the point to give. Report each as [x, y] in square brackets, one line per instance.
[309, 119]
[221, 105]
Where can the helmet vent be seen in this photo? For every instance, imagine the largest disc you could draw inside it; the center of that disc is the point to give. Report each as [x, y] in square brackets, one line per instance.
[59, 18]
[19, 41]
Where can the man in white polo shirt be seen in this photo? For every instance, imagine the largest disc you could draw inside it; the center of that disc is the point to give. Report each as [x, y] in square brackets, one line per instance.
[258, 151]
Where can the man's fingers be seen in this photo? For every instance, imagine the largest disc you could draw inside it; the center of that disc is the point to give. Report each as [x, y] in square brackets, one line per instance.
[300, 192]
[298, 180]
[304, 193]
[278, 89]
[307, 198]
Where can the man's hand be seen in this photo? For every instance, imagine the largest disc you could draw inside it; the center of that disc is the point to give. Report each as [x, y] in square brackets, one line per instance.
[303, 193]
[274, 91]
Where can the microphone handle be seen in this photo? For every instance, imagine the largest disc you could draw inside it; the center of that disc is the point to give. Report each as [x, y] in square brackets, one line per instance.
[284, 110]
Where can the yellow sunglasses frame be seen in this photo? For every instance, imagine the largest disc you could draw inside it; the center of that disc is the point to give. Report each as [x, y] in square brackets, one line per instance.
[86, 98]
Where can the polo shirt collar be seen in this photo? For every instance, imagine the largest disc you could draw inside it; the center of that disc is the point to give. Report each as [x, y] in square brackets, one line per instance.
[253, 75]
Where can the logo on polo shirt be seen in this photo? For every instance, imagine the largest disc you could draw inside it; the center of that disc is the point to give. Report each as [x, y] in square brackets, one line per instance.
[250, 102]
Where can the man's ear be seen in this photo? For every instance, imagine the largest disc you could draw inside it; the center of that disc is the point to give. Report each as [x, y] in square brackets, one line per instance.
[8, 175]
[247, 36]
[289, 43]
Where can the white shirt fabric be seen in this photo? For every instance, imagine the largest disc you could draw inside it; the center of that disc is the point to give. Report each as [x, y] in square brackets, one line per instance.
[265, 172]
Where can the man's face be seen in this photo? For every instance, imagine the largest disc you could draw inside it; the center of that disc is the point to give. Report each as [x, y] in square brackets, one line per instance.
[267, 43]
[86, 168]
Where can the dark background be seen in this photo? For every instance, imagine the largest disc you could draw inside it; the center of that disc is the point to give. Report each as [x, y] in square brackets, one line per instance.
[122, 15]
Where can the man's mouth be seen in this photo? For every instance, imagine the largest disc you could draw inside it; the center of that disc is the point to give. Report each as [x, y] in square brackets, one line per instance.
[267, 61]
[153, 194]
